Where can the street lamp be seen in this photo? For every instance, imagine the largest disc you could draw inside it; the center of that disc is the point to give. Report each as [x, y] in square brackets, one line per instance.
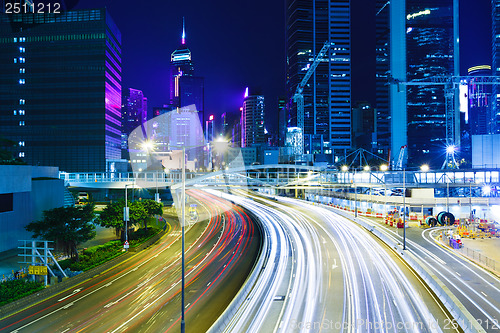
[404, 209]
[383, 167]
[424, 167]
[183, 219]
[126, 217]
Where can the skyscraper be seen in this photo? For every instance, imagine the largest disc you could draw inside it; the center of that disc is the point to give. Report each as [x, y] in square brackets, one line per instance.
[252, 120]
[282, 121]
[60, 84]
[134, 110]
[185, 88]
[429, 53]
[415, 41]
[327, 96]
[495, 66]
[480, 117]
[382, 70]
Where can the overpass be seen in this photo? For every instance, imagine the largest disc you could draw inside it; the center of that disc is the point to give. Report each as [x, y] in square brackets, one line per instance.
[286, 176]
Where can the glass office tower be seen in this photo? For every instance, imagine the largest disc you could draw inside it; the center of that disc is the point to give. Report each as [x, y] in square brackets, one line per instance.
[327, 95]
[60, 88]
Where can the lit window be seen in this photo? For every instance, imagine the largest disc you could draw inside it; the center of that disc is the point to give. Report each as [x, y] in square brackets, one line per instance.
[15, 112]
[21, 154]
[21, 123]
[22, 60]
[22, 39]
[22, 70]
[22, 101]
[21, 144]
[21, 112]
[22, 49]
[22, 81]
[15, 60]
[15, 39]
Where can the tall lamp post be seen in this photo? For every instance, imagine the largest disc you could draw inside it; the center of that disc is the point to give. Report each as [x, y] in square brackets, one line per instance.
[126, 217]
[183, 220]
[404, 209]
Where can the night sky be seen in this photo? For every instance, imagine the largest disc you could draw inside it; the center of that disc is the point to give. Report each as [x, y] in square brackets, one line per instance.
[235, 44]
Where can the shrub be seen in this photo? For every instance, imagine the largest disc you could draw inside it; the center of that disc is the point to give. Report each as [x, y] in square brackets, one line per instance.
[15, 289]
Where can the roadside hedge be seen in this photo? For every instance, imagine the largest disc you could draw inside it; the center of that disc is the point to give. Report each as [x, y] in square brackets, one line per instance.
[15, 289]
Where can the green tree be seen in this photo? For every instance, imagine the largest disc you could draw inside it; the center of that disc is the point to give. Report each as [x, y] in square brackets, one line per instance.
[66, 226]
[138, 213]
[112, 217]
[152, 208]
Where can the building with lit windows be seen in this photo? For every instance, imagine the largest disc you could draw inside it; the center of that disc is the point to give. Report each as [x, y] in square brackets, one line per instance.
[495, 68]
[327, 95]
[480, 118]
[415, 41]
[134, 109]
[382, 72]
[252, 120]
[60, 83]
[185, 87]
[429, 53]
[134, 114]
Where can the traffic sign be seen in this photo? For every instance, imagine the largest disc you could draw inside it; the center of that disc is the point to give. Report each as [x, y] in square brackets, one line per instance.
[37, 270]
[126, 245]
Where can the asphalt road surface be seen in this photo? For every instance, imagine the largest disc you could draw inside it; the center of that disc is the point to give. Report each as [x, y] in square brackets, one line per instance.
[326, 274]
[143, 293]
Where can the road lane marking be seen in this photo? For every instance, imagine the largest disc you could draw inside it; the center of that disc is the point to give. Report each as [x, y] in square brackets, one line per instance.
[73, 293]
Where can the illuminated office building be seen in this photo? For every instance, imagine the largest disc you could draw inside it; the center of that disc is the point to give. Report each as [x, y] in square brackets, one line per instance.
[416, 39]
[382, 68]
[429, 53]
[495, 68]
[252, 120]
[185, 88]
[479, 112]
[60, 83]
[327, 95]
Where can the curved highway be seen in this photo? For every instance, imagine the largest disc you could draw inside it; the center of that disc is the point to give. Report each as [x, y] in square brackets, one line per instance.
[477, 289]
[324, 273]
[143, 293]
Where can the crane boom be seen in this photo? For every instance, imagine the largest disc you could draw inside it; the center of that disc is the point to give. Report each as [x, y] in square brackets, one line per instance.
[298, 97]
[451, 84]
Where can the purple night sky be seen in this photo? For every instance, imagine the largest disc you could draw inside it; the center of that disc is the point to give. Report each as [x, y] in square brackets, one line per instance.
[242, 43]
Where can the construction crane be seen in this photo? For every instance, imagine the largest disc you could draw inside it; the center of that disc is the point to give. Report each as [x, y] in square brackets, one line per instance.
[298, 97]
[399, 163]
[451, 84]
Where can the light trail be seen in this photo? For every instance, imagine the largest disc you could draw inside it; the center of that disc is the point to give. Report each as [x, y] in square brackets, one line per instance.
[369, 292]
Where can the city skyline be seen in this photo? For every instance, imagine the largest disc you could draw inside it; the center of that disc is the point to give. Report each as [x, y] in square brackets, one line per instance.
[232, 53]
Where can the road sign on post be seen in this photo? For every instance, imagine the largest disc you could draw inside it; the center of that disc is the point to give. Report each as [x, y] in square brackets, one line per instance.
[37, 270]
[126, 245]
[126, 214]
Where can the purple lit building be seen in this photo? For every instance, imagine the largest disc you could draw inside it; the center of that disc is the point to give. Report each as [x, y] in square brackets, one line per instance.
[185, 88]
[60, 83]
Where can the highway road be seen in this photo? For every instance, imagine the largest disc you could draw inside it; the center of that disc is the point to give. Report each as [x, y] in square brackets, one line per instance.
[143, 294]
[477, 289]
[324, 273]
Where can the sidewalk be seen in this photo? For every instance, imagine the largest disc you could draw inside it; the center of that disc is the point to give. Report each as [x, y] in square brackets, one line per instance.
[9, 262]
[483, 251]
